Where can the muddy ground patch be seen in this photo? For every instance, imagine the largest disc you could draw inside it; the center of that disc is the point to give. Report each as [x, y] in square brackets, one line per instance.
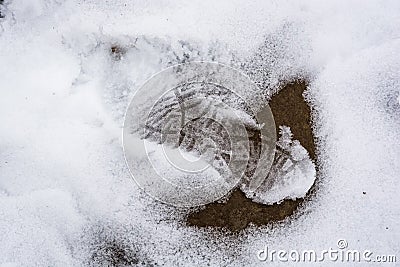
[291, 109]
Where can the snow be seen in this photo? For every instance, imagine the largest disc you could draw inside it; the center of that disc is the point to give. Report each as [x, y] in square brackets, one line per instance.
[64, 185]
[291, 175]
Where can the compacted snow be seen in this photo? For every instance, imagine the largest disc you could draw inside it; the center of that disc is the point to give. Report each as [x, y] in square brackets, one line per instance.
[70, 68]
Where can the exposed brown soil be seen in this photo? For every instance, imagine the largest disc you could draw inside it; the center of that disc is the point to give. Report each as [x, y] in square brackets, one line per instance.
[289, 108]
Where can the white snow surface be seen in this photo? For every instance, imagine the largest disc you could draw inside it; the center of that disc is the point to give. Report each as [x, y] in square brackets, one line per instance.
[65, 190]
[290, 177]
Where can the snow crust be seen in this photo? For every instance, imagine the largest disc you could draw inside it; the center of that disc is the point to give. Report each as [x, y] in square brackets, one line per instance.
[291, 175]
